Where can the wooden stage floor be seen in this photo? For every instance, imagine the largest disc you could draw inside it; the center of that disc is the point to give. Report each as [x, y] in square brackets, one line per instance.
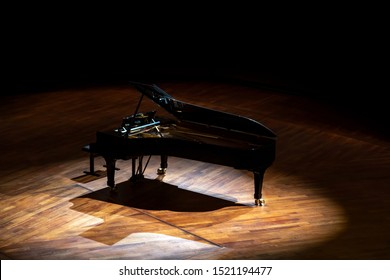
[327, 194]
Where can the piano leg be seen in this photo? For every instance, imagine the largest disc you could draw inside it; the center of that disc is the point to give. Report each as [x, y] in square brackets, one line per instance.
[110, 166]
[258, 176]
[163, 166]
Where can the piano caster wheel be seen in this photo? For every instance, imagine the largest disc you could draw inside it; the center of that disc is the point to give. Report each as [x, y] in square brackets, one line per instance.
[259, 202]
[161, 171]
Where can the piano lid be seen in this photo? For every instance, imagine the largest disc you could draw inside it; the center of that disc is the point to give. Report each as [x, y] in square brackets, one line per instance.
[186, 112]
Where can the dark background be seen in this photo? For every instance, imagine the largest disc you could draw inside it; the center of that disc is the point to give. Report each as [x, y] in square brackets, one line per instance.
[336, 57]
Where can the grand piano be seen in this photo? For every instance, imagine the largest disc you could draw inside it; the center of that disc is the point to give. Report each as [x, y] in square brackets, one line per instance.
[191, 132]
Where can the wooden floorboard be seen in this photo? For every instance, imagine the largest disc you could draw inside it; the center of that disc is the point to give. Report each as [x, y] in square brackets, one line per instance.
[327, 193]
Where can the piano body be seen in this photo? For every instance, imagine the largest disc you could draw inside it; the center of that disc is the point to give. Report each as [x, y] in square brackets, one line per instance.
[191, 132]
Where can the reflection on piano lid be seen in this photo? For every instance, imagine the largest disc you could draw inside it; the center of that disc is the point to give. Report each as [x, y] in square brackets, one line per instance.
[199, 115]
[193, 132]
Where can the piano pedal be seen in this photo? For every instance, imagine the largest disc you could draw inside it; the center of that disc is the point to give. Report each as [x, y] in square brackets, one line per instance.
[161, 171]
[259, 202]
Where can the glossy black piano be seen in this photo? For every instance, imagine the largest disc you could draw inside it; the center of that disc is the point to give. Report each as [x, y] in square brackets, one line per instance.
[191, 132]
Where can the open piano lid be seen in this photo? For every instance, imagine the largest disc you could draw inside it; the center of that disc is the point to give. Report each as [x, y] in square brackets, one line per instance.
[186, 112]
